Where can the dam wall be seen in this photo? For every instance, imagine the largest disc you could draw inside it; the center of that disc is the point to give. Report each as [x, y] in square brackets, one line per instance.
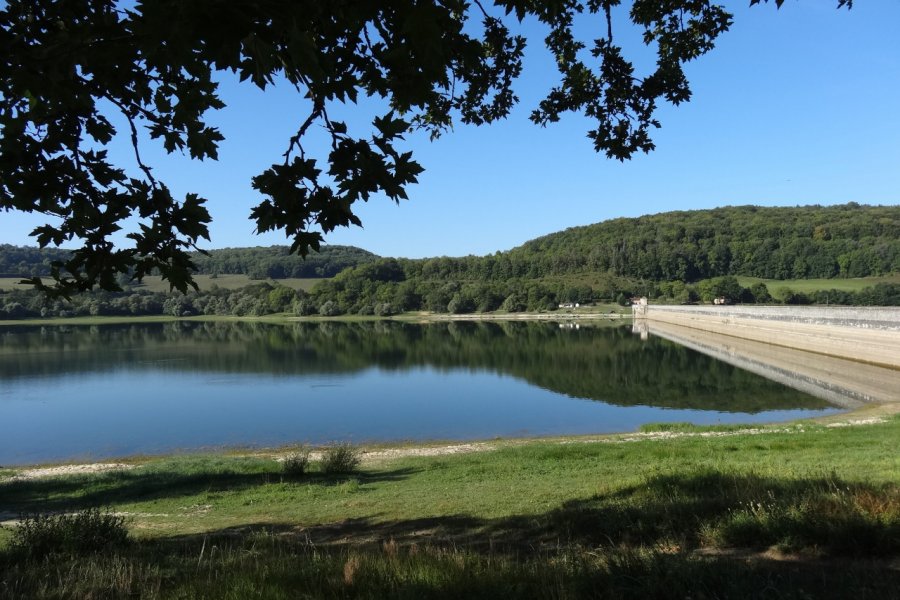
[841, 382]
[864, 334]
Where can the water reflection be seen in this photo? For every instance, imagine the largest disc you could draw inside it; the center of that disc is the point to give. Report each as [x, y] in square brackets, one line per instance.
[597, 363]
[842, 382]
[146, 388]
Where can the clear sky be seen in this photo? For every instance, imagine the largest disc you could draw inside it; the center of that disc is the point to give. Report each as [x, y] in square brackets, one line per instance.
[794, 106]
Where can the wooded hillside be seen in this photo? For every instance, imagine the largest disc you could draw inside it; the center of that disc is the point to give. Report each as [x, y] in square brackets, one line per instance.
[849, 240]
[655, 256]
[670, 257]
[275, 262]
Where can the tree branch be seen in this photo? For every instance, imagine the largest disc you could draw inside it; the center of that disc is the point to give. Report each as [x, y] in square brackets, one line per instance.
[317, 110]
[134, 140]
[608, 11]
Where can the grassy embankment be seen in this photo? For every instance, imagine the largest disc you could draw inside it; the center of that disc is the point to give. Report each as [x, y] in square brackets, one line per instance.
[777, 287]
[794, 512]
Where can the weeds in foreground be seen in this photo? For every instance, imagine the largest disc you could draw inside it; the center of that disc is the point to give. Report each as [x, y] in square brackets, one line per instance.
[340, 458]
[828, 516]
[84, 532]
[691, 428]
[824, 515]
[296, 464]
[273, 566]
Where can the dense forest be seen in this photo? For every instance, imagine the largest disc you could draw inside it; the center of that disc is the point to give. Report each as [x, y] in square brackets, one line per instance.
[670, 257]
[849, 240]
[276, 262]
[27, 261]
[811, 242]
[272, 262]
[678, 257]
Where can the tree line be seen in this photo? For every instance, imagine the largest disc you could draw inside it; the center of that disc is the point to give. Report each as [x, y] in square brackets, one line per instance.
[808, 242]
[270, 262]
[348, 294]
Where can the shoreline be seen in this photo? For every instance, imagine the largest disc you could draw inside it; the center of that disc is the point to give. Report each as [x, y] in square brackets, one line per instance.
[380, 452]
[415, 317]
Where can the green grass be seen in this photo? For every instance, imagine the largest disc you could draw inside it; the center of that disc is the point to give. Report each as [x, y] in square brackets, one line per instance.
[552, 518]
[691, 428]
[808, 286]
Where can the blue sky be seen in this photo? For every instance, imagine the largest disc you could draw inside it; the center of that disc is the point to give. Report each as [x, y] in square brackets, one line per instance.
[794, 106]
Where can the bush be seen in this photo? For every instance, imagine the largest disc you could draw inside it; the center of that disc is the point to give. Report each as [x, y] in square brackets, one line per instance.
[460, 305]
[341, 458]
[86, 531]
[330, 309]
[305, 307]
[296, 464]
[384, 309]
[513, 303]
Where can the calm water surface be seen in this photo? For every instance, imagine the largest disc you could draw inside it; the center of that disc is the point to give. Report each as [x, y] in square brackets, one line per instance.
[92, 392]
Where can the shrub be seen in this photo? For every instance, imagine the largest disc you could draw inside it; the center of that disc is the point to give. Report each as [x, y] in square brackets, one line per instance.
[296, 464]
[460, 305]
[330, 309]
[340, 458]
[385, 309]
[86, 531]
[305, 307]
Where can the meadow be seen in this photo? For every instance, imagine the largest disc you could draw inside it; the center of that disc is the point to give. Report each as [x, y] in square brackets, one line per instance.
[809, 286]
[784, 511]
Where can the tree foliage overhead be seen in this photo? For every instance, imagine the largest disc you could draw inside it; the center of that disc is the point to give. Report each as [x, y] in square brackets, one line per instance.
[74, 67]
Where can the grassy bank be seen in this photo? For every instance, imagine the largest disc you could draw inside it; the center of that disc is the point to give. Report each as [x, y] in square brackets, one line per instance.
[810, 286]
[681, 512]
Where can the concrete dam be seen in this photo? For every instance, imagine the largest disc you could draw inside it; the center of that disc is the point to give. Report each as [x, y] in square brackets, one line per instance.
[847, 355]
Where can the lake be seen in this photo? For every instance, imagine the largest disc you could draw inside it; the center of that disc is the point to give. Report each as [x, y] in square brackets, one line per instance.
[80, 393]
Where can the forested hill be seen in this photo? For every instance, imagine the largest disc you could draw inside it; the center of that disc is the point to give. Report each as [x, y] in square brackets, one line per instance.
[670, 257]
[258, 263]
[277, 262]
[850, 240]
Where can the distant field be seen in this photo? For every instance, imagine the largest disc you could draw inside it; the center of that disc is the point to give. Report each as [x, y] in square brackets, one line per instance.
[807, 286]
[230, 282]
[156, 284]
